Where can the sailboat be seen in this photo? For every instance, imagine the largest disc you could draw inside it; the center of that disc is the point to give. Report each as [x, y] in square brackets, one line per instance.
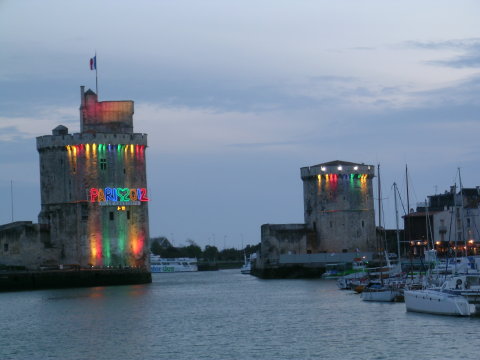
[247, 265]
[438, 302]
[458, 295]
[388, 287]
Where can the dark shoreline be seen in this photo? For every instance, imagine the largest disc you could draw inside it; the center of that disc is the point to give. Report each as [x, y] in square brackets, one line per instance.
[59, 279]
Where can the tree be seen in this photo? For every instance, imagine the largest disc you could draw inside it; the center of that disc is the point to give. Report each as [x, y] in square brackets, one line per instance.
[155, 247]
[210, 253]
[192, 250]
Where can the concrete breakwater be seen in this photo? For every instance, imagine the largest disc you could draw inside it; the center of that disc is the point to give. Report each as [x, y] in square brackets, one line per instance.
[54, 279]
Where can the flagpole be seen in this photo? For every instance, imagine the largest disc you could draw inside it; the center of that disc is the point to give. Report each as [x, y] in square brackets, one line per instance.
[96, 75]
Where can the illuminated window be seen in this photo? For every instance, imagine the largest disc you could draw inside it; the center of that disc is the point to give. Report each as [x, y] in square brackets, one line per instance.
[103, 164]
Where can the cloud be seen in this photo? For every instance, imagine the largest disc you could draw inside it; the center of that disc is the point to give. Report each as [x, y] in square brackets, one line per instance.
[469, 47]
[37, 122]
[461, 44]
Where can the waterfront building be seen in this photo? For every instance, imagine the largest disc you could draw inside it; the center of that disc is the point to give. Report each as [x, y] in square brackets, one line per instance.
[94, 197]
[446, 222]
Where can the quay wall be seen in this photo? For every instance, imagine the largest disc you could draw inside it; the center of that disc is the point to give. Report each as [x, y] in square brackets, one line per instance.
[55, 279]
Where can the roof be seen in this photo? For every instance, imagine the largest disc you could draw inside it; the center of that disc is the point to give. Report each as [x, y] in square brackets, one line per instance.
[421, 214]
[339, 162]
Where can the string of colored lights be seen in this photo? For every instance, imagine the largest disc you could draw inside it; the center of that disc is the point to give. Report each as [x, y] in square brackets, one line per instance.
[120, 242]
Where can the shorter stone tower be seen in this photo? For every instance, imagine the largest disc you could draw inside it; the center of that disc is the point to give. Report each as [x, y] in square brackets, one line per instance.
[338, 206]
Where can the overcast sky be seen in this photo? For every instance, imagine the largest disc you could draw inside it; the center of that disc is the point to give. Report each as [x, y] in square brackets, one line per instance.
[237, 96]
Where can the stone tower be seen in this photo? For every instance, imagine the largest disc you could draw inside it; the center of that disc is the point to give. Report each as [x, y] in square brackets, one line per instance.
[338, 205]
[94, 187]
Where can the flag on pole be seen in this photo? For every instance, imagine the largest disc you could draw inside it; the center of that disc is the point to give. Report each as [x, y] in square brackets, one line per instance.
[93, 63]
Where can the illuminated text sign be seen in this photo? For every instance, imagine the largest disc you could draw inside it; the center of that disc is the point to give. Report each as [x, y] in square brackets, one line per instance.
[118, 196]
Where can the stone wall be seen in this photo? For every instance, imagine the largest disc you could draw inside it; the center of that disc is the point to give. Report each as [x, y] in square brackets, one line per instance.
[23, 244]
[282, 239]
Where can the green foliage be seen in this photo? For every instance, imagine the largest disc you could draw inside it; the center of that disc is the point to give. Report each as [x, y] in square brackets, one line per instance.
[162, 246]
[210, 253]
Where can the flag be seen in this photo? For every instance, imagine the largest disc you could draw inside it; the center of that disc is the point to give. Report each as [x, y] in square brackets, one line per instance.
[93, 63]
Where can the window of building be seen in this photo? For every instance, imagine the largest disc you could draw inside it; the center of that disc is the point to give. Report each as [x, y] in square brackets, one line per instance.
[5, 247]
[103, 164]
[128, 214]
[363, 224]
[111, 215]
[468, 222]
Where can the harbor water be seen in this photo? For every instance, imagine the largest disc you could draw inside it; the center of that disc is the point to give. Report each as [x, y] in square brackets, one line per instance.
[224, 315]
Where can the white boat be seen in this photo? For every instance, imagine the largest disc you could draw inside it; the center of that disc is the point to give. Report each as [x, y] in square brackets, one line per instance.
[171, 265]
[378, 292]
[432, 301]
[247, 266]
[466, 285]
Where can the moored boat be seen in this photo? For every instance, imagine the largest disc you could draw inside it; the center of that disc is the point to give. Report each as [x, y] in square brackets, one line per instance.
[247, 266]
[171, 265]
[436, 301]
[378, 292]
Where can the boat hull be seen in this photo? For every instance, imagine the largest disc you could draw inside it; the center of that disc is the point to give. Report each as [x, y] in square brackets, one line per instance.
[382, 295]
[172, 265]
[437, 302]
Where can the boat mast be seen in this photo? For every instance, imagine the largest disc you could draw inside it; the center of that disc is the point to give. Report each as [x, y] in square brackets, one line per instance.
[396, 219]
[462, 212]
[11, 196]
[379, 205]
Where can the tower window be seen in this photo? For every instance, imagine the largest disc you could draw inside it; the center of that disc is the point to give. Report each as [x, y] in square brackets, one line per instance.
[103, 164]
[111, 215]
[363, 224]
[128, 214]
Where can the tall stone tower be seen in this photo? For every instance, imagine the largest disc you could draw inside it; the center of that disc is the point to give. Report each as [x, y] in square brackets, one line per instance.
[338, 205]
[94, 187]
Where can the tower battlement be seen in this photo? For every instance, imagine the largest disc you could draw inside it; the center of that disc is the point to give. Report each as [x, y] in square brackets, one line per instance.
[51, 141]
[338, 168]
